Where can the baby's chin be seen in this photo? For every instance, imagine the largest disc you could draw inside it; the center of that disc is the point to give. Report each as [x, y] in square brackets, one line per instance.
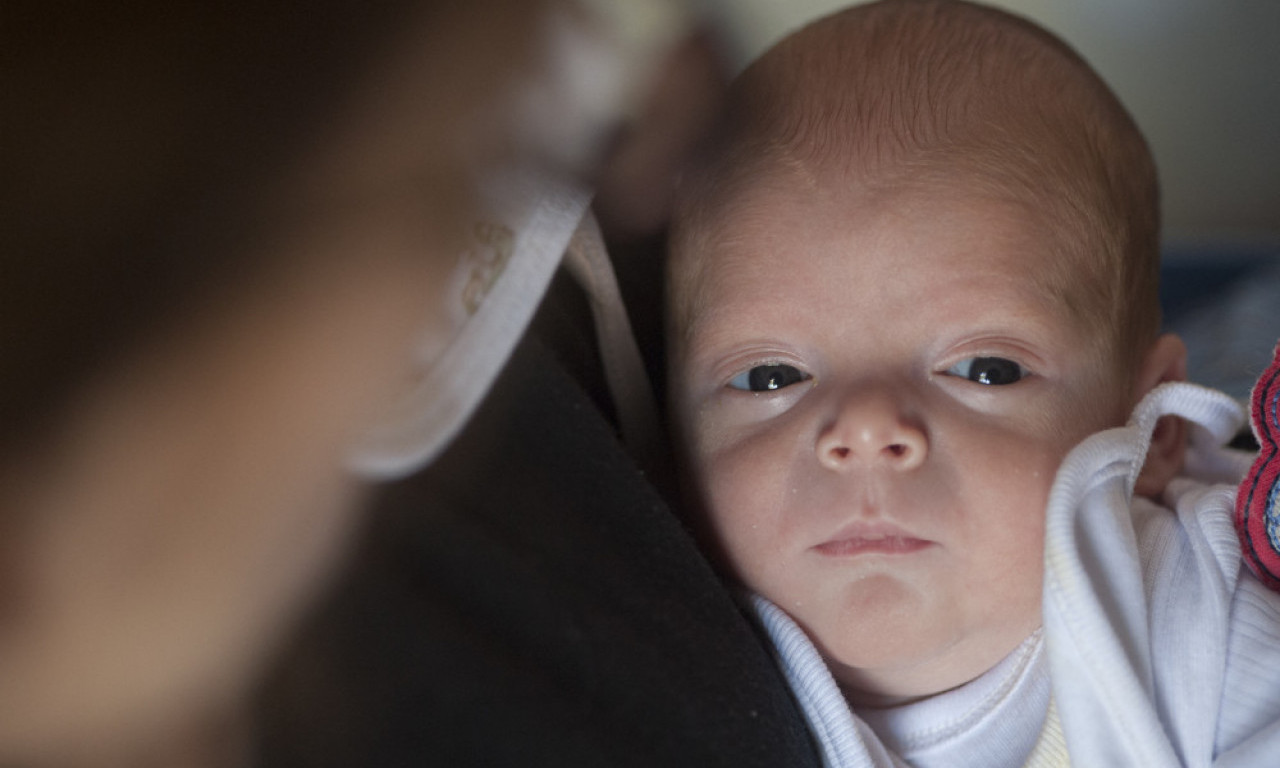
[886, 658]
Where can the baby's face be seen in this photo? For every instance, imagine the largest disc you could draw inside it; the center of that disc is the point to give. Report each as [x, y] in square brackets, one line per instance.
[875, 393]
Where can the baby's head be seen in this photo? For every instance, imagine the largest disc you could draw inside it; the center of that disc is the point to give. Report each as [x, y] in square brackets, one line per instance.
[920, 267]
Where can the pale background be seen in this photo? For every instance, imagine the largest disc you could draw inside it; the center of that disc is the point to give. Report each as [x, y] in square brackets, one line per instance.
[1202, 78]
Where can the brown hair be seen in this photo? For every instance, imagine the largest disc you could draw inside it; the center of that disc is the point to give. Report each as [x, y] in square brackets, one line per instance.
[922, 91]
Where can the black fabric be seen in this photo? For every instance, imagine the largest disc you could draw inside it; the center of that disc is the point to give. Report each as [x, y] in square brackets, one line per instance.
[530, 600]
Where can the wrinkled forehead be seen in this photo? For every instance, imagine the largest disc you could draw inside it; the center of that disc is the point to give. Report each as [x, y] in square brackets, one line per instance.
[740, 217]
[718, 211]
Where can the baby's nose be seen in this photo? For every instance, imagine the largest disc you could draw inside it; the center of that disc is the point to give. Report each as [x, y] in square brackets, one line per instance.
[870, 430]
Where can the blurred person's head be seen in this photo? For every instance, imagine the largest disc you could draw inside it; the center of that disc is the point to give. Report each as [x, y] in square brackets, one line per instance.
[223, 232]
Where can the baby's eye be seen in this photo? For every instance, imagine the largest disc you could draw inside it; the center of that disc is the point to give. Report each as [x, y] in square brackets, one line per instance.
[763, 378]
[989, 370]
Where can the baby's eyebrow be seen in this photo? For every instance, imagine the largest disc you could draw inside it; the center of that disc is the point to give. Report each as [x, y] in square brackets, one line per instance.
[706, 327]
[696, 318]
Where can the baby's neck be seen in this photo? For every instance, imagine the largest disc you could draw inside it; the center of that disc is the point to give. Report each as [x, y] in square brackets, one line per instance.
[863, 699]
[994, 719]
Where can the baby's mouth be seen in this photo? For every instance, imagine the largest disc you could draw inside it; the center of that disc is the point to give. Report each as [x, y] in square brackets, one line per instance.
[872, 538]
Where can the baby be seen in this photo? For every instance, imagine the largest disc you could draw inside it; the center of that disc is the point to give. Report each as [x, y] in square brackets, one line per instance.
[919, 269]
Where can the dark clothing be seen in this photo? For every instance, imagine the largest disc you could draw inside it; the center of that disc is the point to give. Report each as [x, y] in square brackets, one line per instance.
[531, 600]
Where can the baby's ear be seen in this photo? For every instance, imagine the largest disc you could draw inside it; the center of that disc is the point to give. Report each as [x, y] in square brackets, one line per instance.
[1166, 360]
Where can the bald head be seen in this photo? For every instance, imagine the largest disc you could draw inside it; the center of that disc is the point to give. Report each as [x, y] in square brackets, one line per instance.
[946, 94]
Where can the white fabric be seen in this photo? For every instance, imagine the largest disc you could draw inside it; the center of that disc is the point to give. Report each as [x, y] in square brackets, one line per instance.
[594, 66]
[494, 293]
[1050, 750]
[844, 740]
[1161, 650]
[978, 724]
[495, 289]
[624, 368]
[992, 721]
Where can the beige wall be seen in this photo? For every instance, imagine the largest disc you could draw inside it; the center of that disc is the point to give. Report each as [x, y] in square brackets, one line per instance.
[1202, 77]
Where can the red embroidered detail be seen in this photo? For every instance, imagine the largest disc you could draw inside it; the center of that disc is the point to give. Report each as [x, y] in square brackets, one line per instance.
[1257, 506]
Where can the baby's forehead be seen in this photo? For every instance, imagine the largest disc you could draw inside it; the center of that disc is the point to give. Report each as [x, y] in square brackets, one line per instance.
[767, 198]
[739, 227]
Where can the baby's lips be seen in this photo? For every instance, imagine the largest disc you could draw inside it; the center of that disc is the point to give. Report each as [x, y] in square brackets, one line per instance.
[872, 537]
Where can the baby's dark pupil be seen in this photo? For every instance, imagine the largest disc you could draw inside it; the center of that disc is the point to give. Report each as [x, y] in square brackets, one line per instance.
[766, 377]
[994, 370]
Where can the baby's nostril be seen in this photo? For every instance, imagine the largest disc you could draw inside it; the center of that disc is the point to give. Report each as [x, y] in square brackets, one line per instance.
[897, 449]
[841, 453]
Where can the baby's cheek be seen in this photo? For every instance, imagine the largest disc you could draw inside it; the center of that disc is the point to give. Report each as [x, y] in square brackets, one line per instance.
[729, 494]
[1008, 476]
[1018, 530]
[739, 489]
